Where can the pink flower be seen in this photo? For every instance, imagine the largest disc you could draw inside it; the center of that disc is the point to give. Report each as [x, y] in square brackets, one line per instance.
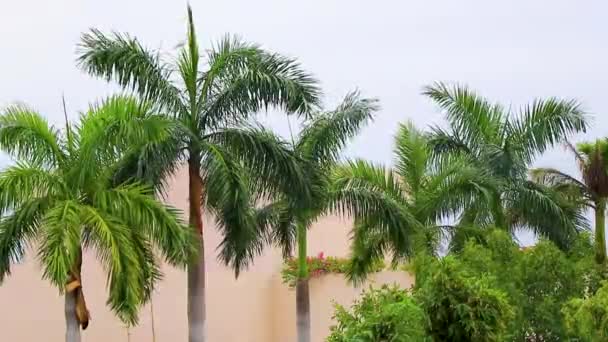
[320, 256]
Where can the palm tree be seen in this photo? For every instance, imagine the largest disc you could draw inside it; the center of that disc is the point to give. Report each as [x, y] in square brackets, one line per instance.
[61, 195]
[506, 143]
[212, 107]
[592, 161]
[399, 210]
[285, 221]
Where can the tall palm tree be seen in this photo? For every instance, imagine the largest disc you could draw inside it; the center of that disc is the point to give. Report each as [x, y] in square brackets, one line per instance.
[285, 221]
[506, 143]
[401, 209]
[592, 160]
[61, 195]
[211, 105]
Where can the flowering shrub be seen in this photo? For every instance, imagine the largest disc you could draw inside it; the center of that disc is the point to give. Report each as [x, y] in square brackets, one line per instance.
[317, 266]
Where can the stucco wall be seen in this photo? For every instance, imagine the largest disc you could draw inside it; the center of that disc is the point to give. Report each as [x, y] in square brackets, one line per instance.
[257, 307]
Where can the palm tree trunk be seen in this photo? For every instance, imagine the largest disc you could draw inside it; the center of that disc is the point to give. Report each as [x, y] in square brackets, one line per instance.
[76, 313]
[600, 230]
[72, 326]
[196, 271]
[302, 289]
[152, 320]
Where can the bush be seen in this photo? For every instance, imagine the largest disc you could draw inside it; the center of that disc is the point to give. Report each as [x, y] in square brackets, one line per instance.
[490, 289]
[587, 319]
[460, 306]
[538, 280]
[385, 314]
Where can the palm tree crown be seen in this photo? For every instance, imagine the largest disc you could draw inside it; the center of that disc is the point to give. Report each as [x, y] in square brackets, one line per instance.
[62, 196]
[591, 192]
[397, 208]
[213, 109]
[506, 143]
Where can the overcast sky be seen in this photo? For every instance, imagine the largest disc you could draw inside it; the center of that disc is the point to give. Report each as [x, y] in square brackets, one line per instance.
[510, 51]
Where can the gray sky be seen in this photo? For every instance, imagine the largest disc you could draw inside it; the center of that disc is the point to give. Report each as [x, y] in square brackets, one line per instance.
[510, 51]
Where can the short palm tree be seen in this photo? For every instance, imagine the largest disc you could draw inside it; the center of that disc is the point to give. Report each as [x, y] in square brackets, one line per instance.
[61, 196]
[592, 160]
[506, 143]
[400, 210]
[285, 221]
[212, 106]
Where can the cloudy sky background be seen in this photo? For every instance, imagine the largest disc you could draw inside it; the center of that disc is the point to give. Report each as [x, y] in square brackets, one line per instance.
[509, 51]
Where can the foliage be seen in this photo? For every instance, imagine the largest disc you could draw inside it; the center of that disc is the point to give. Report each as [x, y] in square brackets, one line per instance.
[213, 96]
[320, 265]
[385, 314]
[61, 196]
[547, 280]
[591, 192]
[317, 147]
[587, 318]
[399, 210]
[538, 280]
[460, 305]
[505, 144]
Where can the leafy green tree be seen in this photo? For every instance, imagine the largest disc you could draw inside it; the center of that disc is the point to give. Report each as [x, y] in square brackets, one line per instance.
[592, 191]
[286, 220]
[547, 280]
[212, 106]
[385, 314]
[538, 280]
[506, 144]
[400, 209]
[62, 197]
[460, 305]
[587, 319]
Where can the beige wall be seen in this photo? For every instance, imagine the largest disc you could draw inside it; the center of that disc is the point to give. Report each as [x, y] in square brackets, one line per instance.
[257, 307]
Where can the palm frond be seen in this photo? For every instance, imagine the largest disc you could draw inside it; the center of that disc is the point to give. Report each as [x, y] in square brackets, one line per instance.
[581, 160]
[271, 164]
[412, 156]
[116, 130]
[324, 137]
[135, 205]
[21, 183]
[153, 163]
[470, 116]
[276, 221]
[17, 230]
[545, 212]
[253, 82]
[123, 59]
[27, 136]
[60, 241]
[454, 188]
[444, 142]
[228, 54]
[367, 248]
[393, 218]
[118, 254]
[362, 174]
[545, 123]
[229, 199]
[559, 181]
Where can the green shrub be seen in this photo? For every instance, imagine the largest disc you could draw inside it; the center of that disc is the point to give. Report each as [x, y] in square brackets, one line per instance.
[461, 306]
[587, 319]
[385, 314]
